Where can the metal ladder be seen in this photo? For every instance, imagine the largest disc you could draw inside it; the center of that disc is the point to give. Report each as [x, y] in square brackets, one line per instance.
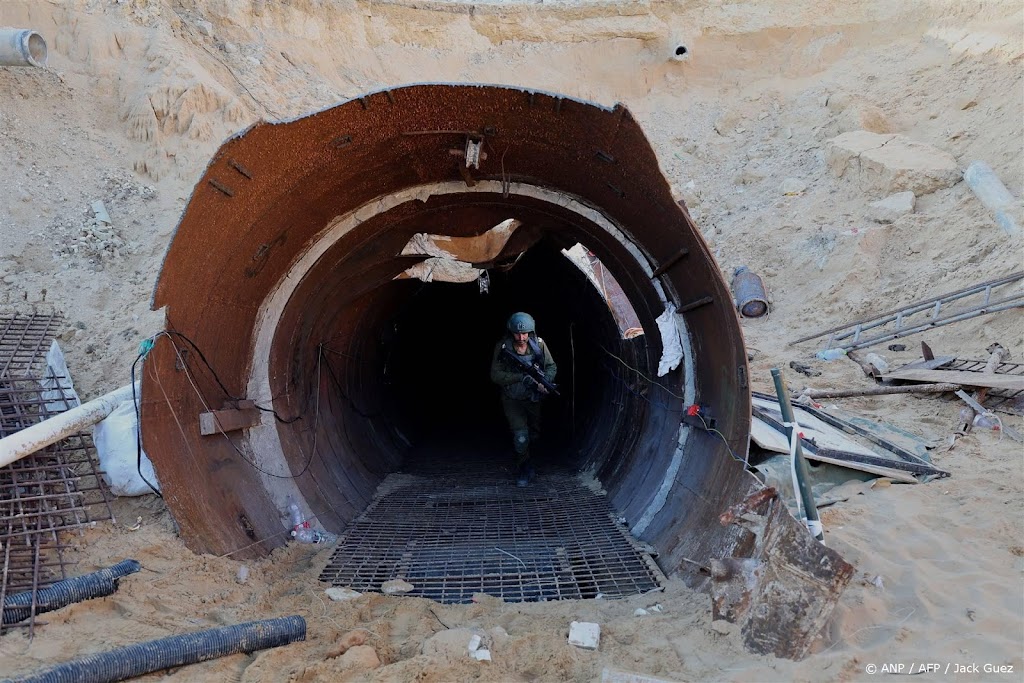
[902, 322]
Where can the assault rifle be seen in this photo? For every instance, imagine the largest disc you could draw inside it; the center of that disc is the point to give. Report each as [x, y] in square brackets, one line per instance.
[533, 370]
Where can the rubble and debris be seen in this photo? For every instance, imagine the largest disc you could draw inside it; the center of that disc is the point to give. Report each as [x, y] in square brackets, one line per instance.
[804, 368]
[996, 355]
[782, 594]
[339, 594]
[585, 634]
[891, 208]
[825, 442]
[1004, 400]
[396, 587]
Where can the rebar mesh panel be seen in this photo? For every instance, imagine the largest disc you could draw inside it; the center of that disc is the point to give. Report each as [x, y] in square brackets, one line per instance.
[53, 490]
[453, 536]
[994, 397]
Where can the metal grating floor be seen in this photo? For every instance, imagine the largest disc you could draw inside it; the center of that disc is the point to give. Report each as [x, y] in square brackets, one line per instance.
[53, 490]
[455, 533]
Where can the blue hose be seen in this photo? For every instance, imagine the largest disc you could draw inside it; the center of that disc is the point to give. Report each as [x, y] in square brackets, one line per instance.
[187, 648]
[18, 607]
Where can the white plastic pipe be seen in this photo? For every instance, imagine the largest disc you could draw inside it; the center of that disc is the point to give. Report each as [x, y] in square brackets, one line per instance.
[993, 194]
[21, 47]
[42, 434]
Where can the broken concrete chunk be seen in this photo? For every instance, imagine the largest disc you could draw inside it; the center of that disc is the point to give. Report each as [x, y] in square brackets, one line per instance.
[396, 587]
[482, 655]
[585, 634]
[474, 643]
[640, 612]
[451, 644]
[890, 163]
[341, 594]
[792, 186]
[100, 212]
[205, 27]
[892, 207]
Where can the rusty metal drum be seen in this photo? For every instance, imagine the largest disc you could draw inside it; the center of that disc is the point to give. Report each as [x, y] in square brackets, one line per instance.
[749, 294]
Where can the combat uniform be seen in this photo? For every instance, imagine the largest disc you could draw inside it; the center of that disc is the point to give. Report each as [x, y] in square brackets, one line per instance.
[520, 400]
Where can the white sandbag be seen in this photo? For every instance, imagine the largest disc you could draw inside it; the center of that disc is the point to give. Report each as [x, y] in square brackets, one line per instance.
[115, 438]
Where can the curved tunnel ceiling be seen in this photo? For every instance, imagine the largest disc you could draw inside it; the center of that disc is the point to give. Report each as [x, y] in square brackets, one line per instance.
[280, 288]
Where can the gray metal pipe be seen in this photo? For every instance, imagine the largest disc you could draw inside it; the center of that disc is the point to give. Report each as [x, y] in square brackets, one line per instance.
[21, 47]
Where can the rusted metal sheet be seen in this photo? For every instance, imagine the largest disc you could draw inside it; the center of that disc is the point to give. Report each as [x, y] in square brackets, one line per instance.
[784, 592]
[557, 165]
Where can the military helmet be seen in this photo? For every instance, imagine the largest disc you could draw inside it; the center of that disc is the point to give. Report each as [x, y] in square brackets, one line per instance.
[521, 322]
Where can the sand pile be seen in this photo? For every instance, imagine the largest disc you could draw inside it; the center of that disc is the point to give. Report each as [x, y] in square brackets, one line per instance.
[139, 93]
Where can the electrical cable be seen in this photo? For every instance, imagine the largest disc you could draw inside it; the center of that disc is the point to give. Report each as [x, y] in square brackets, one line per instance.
[202, 399]
[216, 377]
[645, 377]
[138, 420]
[668, 408]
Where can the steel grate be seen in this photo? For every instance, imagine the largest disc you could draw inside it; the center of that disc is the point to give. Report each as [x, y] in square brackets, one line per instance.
[455, 534]
[53, 490]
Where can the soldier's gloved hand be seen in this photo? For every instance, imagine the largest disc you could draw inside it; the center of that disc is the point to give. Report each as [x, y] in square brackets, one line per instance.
[529, 382]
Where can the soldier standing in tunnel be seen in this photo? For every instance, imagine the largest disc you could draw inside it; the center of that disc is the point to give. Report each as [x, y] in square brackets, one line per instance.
[521, 394]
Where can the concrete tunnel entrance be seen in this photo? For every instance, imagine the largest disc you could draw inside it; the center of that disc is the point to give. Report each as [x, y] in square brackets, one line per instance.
[291, 310]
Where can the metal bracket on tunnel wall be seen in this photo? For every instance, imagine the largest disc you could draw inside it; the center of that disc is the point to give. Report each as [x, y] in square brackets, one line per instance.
[784, 593]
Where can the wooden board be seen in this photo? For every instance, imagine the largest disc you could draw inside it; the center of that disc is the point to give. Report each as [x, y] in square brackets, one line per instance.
[966, 379]
[217, 421]
[767, 438]
[823, 434]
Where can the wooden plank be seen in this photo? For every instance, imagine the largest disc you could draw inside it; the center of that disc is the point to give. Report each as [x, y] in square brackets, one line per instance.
[895, 475]
[928, 363]
[966, 379]
[217, 421]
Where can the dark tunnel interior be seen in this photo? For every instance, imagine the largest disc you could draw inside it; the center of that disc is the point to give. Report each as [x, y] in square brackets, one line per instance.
[437, 371]
[435, 352]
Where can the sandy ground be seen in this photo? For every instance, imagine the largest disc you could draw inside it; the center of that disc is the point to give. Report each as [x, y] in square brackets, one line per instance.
[140, 93]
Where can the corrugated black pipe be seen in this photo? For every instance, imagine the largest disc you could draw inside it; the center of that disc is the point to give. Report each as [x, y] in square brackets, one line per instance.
[188, 648]
[18, 607]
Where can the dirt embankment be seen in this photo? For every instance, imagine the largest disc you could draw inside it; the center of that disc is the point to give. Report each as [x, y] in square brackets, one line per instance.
[140, 93]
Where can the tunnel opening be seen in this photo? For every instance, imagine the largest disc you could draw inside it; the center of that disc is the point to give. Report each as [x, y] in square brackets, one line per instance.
[304, 268]
[437, 352]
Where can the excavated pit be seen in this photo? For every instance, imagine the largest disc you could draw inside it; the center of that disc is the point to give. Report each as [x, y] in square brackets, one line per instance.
[291, 282]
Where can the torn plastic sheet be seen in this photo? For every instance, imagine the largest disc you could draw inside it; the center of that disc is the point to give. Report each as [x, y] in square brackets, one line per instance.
[436, 269]
[479, 249]
[58, 389]
[671, 344]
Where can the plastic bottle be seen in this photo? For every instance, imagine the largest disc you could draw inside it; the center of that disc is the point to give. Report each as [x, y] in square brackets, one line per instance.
[985, 421]
[830, 354]
[295, 512]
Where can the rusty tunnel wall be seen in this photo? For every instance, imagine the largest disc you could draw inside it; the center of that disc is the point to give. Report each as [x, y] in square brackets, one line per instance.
[280, 288]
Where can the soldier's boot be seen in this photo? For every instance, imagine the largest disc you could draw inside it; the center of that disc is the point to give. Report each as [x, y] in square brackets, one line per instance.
[521, 442]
